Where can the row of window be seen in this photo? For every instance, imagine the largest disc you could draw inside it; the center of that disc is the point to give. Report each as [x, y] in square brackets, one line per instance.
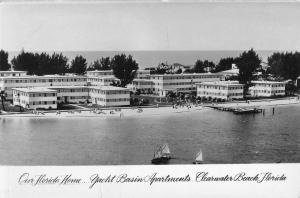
[142, 83]
[71, 90]
[266, 91]
[46, 80]
[219, 87]
[185, 77]
[2, 75]
[42, 103]
[34, 94]
[37, 102]
[110, 92]
[112, 100]
[99, 80]
[269, 85]
[219, 94]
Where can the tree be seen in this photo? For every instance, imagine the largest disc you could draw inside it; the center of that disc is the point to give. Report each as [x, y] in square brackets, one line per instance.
[78, 65]
[4, 65]
[179, 71]
[247, 63]
[199, 67]
[3, 98]
[124, 68]
[40, 63]
[225, 64]
[285, 65]
[101, 64]
[26, 61]
[58, 63]
[209, 65]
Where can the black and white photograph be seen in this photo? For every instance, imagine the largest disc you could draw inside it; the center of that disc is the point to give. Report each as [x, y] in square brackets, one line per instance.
[162, 83]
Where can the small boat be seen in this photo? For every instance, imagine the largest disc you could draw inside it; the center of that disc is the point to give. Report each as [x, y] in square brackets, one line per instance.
[162, 154]
[199, 158]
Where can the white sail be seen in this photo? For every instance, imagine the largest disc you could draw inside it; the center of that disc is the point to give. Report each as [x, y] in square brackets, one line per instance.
[199, 157]
[165, 149]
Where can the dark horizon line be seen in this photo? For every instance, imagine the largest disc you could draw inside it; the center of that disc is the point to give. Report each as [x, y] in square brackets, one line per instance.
[149, 50]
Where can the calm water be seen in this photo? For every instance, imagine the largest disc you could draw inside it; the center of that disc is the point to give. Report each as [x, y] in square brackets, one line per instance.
[222, 136]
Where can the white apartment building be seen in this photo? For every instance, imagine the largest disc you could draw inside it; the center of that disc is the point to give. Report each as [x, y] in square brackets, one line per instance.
[71, 94]
[101, 80]
[7, 83]
[143, 74]
[267, 88]
[110, 96]
[181, 82]
[99, 73]
[12, 73]
[34, 98]
[225, 90]
[144, 85]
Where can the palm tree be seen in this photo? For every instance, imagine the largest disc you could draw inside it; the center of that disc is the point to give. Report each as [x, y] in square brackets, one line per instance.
[3, 98]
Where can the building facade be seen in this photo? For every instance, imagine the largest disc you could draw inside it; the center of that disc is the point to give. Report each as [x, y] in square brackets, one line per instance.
[12, 73]
[110, 96]
[71, 94]
[267, 88]
[143, 74]
[225, 90]
[185, 83]
[99, 73]
[101, 80]
[142, 85]
[7, 83]
[35, 98]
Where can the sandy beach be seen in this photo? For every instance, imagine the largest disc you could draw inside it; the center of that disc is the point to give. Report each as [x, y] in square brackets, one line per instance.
[109, 113]
[153, 111]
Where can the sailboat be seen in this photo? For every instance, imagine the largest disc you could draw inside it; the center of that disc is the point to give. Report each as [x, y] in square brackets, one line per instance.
[162, 154]
[199, 158]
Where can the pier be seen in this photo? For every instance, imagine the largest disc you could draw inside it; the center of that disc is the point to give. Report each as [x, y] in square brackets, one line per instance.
[238, 110]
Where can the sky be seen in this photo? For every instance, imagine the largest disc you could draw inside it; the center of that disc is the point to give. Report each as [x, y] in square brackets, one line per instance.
[135, 26]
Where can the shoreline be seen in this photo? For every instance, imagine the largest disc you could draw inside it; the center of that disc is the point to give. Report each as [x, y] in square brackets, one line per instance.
[152, 111]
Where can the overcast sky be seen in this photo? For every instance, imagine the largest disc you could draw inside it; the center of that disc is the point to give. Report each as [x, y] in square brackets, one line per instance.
[150, 26]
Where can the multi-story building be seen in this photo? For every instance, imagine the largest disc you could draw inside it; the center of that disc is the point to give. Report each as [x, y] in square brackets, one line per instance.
[225, 90]
[34, 98]
[180, 82]
[101, 80]
[110, 96]
[99, 73]
[143, 85]
[7, 83]
[71, 94]
[143, 74]
[267, 88]
[12, 73]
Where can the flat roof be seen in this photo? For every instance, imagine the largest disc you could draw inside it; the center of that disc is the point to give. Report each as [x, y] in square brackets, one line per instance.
[269, 82]
[108, 88]
[67, 87]
[35, 90]
[222, 83]
[13, 71]
[143, 80]
[40, 77]
[97, 71]
[186, 74]
[102, 77]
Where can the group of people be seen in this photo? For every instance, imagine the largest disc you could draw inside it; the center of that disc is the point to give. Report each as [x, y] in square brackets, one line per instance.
[35, 112]
[175, 106]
